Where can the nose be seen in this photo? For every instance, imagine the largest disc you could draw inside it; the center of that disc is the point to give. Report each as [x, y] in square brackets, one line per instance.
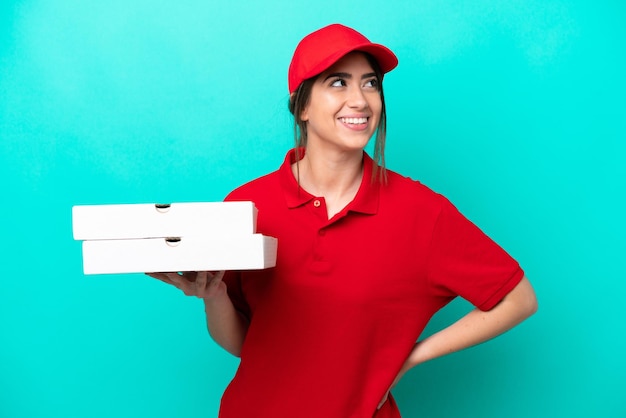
[356, 98]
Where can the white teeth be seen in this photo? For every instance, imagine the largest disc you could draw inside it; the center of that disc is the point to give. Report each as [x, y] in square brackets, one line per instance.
[354, 121]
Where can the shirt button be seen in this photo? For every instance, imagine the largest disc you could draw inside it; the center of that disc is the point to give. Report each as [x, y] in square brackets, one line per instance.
[321, 232]
[317, 203]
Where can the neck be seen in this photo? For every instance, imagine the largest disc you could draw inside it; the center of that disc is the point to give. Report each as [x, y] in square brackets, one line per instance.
[336, 178]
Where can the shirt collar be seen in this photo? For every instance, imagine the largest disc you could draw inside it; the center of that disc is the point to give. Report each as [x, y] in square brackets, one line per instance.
[365, 201]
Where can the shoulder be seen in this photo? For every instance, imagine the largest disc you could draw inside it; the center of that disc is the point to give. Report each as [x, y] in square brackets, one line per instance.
[257, 188]
[405, 191]
[264, 187]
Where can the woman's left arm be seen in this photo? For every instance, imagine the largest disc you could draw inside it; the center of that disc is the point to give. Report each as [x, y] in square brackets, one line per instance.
[474, 328]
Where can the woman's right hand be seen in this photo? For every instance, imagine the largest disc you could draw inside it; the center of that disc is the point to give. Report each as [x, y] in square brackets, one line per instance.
[202, 284]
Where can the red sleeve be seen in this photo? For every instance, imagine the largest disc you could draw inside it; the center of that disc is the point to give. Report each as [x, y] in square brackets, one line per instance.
[465, 262]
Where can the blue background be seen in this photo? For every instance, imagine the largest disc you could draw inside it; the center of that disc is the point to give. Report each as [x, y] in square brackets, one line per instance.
[515, 110]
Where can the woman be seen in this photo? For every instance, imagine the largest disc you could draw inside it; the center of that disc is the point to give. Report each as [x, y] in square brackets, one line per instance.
[365, 258]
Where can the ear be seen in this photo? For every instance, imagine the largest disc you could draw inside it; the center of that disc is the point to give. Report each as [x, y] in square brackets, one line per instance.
[304, 115]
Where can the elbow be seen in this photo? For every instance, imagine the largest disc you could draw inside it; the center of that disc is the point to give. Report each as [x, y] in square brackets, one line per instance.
[232, 346]
[523, 299]
[528, 302]
[531, 305]
[234, 351]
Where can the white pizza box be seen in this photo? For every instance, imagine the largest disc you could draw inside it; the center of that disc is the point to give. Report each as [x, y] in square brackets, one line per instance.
[146, 220]
[192, 253]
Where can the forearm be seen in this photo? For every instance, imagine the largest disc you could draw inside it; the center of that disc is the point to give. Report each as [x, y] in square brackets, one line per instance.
[226, 325]
[477, 326]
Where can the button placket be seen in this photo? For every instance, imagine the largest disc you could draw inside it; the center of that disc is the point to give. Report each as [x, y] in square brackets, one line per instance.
[319, 247]
[318, 207]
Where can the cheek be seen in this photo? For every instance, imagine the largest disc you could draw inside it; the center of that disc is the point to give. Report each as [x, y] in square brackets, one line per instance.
[377, 108]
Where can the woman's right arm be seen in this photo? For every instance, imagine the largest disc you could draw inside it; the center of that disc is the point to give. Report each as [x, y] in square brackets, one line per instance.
[226, 325]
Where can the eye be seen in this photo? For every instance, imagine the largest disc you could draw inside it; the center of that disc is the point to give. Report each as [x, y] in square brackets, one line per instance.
[339, 82]
[372, 83]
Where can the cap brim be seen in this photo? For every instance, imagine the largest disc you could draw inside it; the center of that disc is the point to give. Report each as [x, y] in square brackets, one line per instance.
[386, 59]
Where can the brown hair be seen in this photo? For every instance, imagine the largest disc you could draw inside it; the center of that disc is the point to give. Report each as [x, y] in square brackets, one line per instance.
[300, 99]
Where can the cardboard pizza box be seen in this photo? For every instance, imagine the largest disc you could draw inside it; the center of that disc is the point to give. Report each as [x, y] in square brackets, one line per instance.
[146, 220]
[177, 254]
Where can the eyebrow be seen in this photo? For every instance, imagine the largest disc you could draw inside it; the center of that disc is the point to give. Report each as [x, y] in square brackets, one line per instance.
[349, 76]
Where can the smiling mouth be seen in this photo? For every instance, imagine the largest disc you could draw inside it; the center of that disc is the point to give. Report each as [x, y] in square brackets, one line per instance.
[354, 121]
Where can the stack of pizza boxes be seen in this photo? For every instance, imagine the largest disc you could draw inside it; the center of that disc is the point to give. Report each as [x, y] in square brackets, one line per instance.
[177, 237]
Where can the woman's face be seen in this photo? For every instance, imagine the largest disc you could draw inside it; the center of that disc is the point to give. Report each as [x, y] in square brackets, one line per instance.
[344, 108]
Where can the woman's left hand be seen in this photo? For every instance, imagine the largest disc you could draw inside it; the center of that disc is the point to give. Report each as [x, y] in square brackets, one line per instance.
[475, 327]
